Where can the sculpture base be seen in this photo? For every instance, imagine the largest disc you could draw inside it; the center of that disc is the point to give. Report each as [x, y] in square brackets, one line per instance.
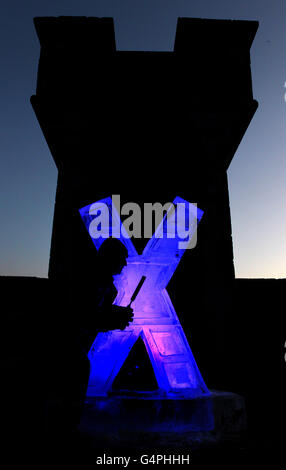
[148, 420]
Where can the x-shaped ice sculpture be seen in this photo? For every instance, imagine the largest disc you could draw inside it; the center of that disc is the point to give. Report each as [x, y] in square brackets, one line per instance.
[155, 319]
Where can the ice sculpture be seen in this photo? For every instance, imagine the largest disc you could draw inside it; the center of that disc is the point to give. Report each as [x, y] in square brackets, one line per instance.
[155, 319]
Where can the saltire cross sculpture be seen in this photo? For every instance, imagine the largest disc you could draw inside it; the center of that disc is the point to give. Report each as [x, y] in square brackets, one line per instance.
[155, 319]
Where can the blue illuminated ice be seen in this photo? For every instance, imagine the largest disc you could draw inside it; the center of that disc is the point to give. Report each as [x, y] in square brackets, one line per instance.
[155, 319]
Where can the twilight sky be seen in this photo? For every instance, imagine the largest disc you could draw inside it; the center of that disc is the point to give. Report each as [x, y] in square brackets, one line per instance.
[257, 175]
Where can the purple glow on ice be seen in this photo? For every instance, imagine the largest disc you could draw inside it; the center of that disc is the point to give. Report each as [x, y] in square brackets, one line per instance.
[155, 318]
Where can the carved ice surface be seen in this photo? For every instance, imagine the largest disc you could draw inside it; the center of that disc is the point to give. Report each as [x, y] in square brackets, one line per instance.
[155, 319]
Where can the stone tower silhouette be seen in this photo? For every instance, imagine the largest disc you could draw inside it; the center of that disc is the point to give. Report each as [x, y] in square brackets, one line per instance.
[150, 126]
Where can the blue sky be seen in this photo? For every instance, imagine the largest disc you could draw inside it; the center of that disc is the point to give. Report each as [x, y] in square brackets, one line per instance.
[257, 175]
